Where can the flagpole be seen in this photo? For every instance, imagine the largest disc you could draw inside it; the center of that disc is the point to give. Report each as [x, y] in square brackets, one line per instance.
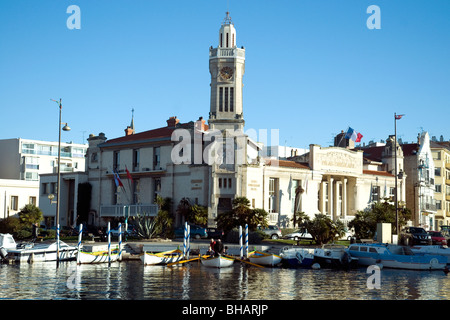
[395, 173]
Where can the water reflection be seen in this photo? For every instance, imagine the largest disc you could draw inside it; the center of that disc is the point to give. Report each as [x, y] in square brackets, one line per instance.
[133, 281]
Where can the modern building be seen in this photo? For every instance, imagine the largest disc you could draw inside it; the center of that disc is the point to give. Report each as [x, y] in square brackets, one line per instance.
[26, 159]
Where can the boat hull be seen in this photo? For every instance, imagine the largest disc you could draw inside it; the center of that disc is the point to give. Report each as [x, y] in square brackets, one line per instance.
[297, 257]
[42, 253]
[432, 250]
[97, 257]
[264, 259]
[389, 256]
[161, 257]
[217, 262]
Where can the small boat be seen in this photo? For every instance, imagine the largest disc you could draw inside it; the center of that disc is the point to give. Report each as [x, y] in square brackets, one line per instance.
[436, 250]
[162, 257]
[35, 252]
[335, 256]
[217, 261]
[395, 256]
[297, 257]
[98, 256]
[264, 258]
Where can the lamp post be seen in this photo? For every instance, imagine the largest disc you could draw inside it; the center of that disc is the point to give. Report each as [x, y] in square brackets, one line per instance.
[65, 128]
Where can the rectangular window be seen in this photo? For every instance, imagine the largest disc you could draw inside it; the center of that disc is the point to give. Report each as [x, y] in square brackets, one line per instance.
[375, 193]
[32, 163]
[273, 195]
[116, 160]
[438, 188]
[44, 187]
[229, 182]
[32, 200]
[231, 99]
[15, 203]
[437, 172]
[226, 99]
[157, 158]
[220, 99]
[136, 191]
[136, 156]
[220, 183]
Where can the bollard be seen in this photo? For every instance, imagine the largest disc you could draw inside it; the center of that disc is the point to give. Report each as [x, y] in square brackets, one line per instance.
[120, 241]
[246, 240]
[241, 251]
[109, 242]
[80, 235]
[188, 240]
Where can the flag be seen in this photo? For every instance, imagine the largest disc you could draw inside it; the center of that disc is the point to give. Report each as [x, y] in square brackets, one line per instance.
[128, 174]
[352, 134]
[398, 116]
[117, 179]
[359, 137]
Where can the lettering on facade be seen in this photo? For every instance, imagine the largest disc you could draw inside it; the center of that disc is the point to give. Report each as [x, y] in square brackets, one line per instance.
[333, 160]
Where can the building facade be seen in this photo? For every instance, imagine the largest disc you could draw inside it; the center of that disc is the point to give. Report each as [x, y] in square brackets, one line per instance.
[213, 163]
[441, 158]
[26, 159]
[15, 194]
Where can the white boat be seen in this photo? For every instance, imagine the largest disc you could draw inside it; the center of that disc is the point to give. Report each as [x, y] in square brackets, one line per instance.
[297, 257]
[97, 257]
[435, 250]
[162, 257]
[217, 262]
[34, 252]
[334, 255]
[395, 256]
[264, 258]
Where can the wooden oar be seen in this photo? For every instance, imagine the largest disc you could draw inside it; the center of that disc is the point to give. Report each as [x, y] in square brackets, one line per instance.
[183, 261]
[251, 263]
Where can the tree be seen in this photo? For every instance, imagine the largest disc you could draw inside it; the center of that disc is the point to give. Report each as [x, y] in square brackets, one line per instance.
[242, 214]
[365, 222]
[29, 215]
[323, 229]
[198, 215]
[299, 219]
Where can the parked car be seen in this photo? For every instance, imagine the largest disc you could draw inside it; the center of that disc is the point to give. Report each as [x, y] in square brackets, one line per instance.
[298, 234]
[437, 238]
[197, 232]
[415, 235]
[129, 232]
[215, 233]
[273, 231]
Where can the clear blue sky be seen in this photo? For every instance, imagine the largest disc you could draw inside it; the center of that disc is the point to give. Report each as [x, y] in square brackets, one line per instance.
[313, 68]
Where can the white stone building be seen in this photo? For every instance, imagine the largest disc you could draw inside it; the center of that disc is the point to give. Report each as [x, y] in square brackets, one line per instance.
[15, 194]
[213, 163]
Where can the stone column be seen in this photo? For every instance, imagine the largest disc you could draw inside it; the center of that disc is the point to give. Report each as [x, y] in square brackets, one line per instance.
[330, 196]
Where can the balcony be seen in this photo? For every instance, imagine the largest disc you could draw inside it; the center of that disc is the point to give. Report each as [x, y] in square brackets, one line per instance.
[131, 210]
[227, 53]
[428, 207]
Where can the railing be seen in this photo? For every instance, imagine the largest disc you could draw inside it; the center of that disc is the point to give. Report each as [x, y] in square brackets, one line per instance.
[428, 206]
[227, 52]
[273, 218]
[131, 210]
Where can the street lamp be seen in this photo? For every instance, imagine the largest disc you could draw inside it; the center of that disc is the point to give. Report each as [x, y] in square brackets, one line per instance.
[65, 128]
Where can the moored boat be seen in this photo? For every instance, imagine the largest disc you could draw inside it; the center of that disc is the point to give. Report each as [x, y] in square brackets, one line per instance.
[161, 257]
[297, 257]
[434, 250]
[395, 256]
[335, 256]
[264, 258]
[36, 252]
[97, 256]
[217, 261]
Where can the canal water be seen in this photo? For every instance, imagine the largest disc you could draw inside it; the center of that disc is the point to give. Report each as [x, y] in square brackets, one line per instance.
[130, 280]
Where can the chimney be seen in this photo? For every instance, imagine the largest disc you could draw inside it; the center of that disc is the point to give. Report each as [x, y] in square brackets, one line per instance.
[200, 124]
[172, 122]
[129, 131]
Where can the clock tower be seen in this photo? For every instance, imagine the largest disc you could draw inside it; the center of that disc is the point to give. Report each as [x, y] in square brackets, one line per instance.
[227, 67]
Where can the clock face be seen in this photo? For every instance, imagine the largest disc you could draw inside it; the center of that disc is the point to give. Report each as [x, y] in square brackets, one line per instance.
[226, 73]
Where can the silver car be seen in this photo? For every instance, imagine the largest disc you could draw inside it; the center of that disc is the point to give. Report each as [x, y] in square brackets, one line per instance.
[299, 234]
[273, 231]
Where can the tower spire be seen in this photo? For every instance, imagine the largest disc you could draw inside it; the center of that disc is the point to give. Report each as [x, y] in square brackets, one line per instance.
[227, 19]
[130, 129]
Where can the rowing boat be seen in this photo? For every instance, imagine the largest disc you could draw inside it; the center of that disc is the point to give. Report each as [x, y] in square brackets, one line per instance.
[217, 262]
[161, 257]
[264, 258]
[97, 256]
